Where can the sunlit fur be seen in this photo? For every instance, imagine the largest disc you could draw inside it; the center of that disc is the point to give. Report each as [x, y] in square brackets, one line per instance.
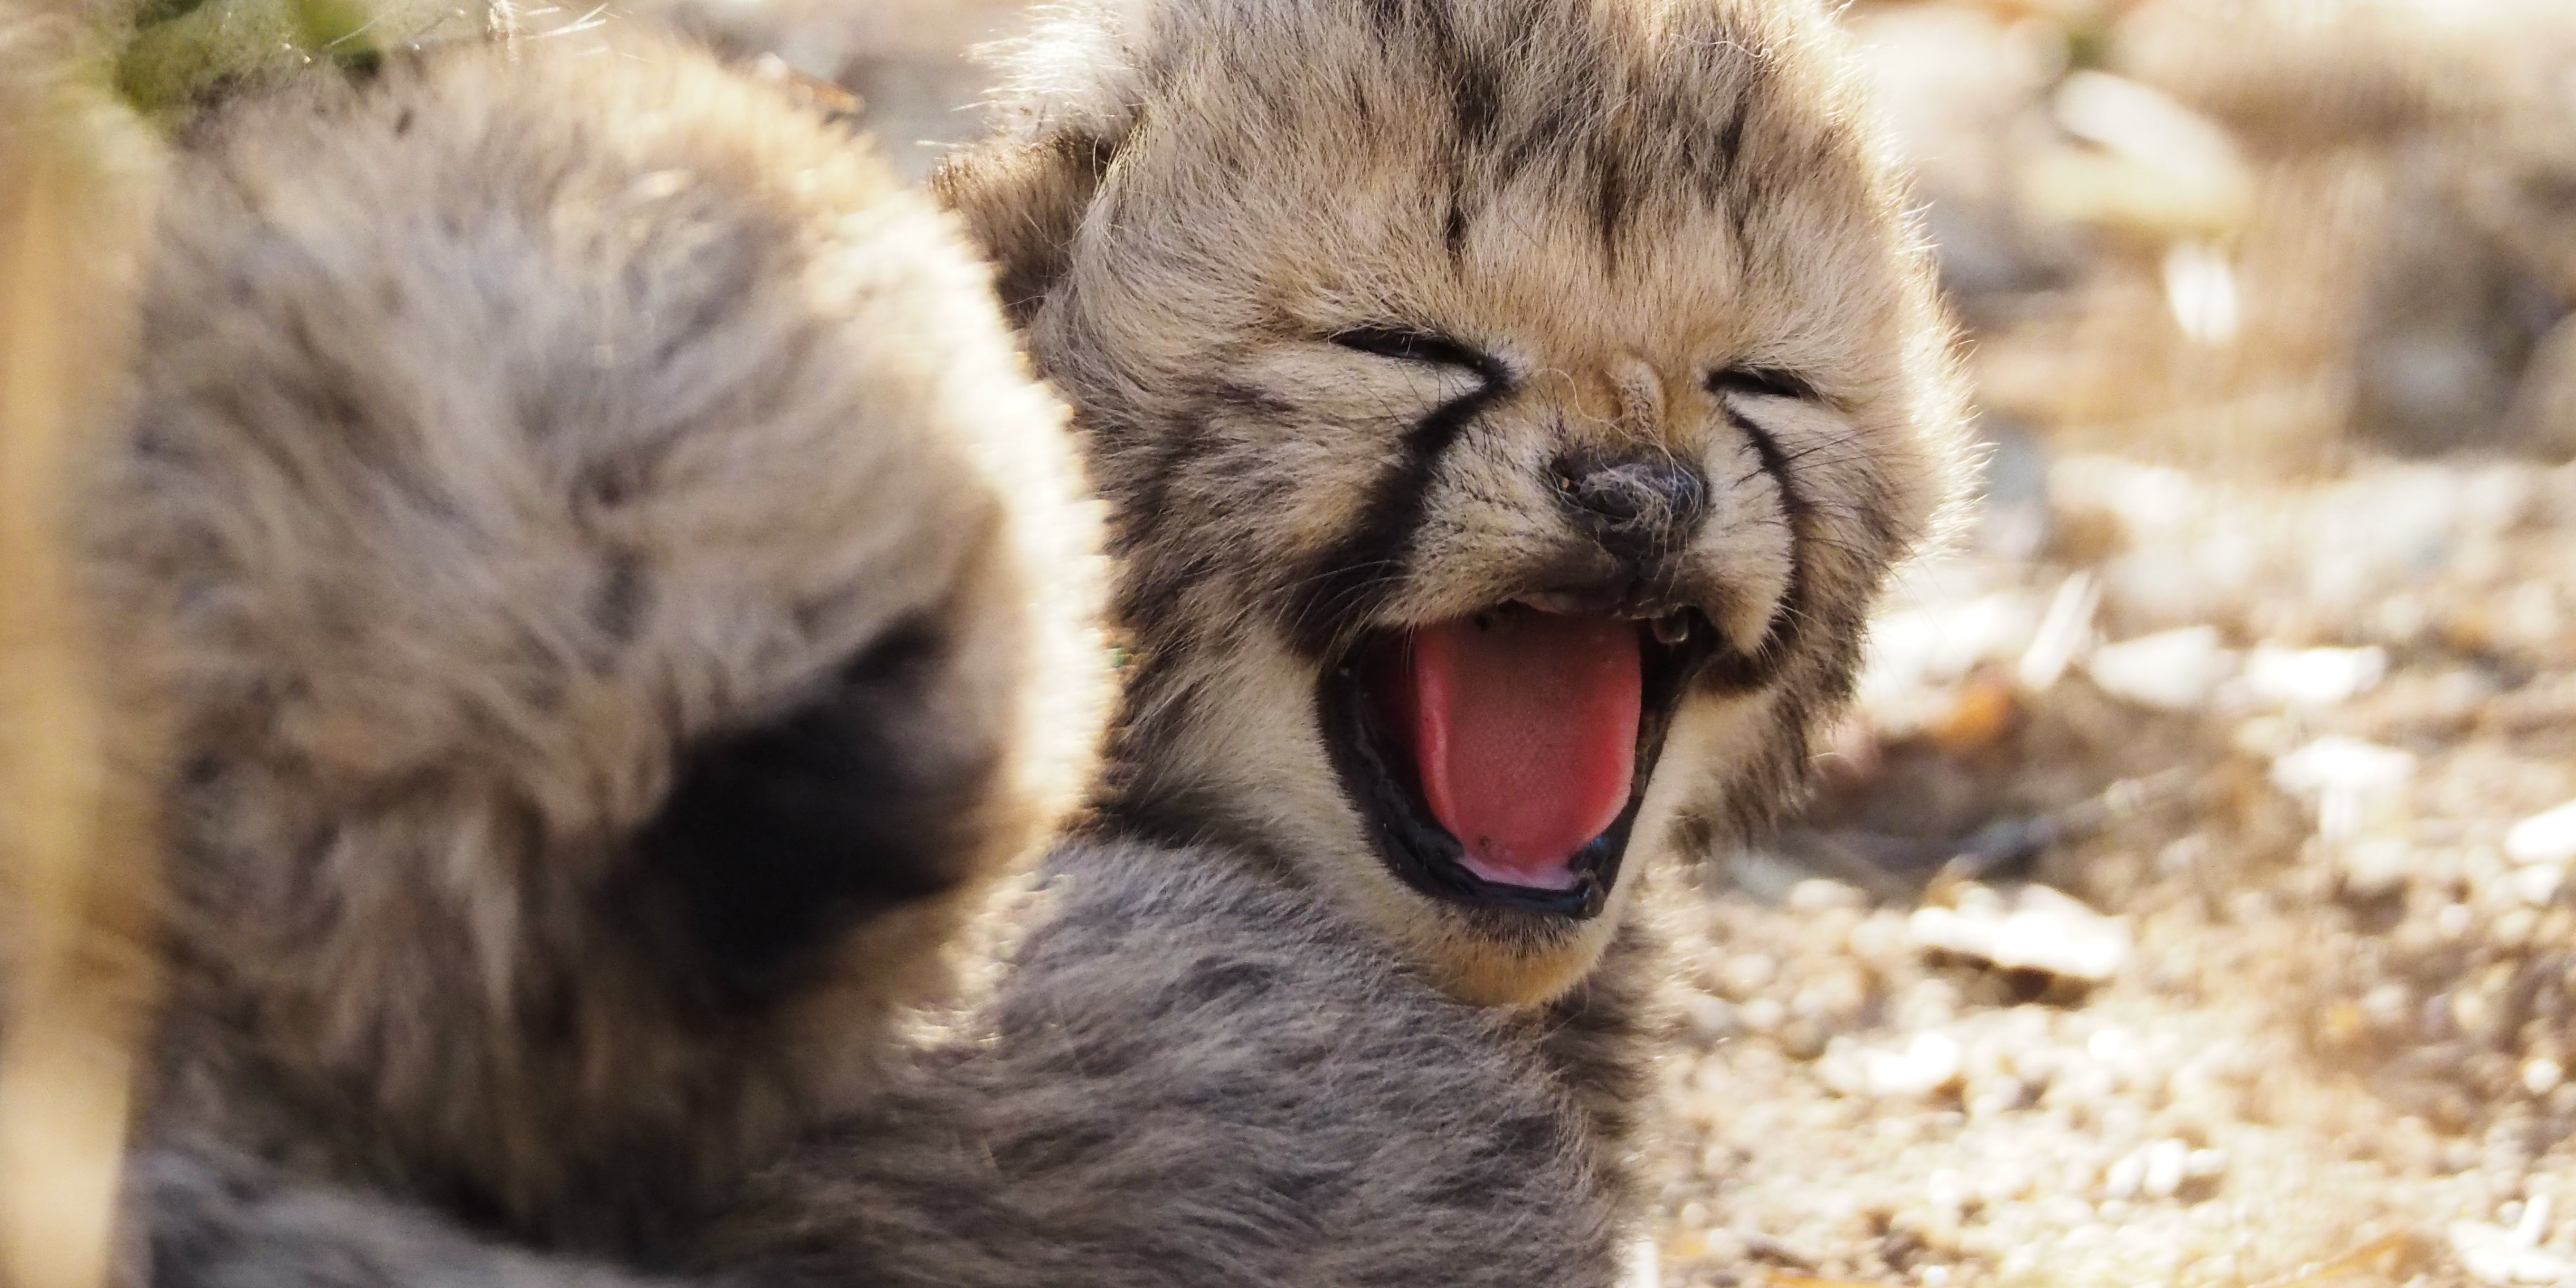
[1612, 201]
[618, 601]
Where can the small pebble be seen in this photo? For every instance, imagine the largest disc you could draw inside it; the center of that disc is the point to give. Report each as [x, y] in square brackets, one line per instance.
[1801, 1038]
[1745, 974]
[2375, 866]
[2492, 1254]
[2546, 837]
[2388, 1007]
[2313, 677]
[2125, 1178]
[2537, 884]
[1835, 997]
[2516, 926]
[1927, 1064]
[1762, 1015]
[2168, 671]
[2038, 929]
[1817, 894]
[2338, 761]
[2345, 778]
[2476, 1013]
[2542, 1076]
[2166, 1167]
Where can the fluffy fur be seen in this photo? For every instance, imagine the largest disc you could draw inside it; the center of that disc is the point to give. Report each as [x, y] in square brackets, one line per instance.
[1188, 1077]
[1346, 293]
[619, 601]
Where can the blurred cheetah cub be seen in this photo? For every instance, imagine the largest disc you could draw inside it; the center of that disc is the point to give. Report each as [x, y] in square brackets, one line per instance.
[617, 599]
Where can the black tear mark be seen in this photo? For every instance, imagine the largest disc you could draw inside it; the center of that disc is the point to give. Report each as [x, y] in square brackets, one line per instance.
[1347, 581]
[1735, 671]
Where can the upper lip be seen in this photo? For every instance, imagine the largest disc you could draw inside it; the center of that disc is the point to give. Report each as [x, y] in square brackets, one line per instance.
[1385, 790]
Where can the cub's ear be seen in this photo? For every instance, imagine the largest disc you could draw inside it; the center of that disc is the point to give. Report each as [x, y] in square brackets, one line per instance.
[1023, 200]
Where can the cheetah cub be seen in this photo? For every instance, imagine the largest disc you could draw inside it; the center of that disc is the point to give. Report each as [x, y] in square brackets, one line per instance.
[617, 601]
[1509, 410]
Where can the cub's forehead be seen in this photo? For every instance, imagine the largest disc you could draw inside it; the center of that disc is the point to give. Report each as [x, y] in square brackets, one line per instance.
[1690, 151]
[1626, 100]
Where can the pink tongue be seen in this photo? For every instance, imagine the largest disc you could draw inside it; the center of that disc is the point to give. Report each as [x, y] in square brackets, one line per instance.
[1525, 731]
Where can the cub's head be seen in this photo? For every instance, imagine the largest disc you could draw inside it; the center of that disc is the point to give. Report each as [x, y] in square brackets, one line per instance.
[620, 597]
[1508, 409]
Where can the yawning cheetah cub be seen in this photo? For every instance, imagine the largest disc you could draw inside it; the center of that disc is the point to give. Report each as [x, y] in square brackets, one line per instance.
[1509, 410]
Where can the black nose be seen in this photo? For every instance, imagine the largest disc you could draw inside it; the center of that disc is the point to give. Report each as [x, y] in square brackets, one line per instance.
[1637, 509]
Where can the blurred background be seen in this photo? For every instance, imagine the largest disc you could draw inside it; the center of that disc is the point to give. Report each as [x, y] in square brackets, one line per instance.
[2187, 902]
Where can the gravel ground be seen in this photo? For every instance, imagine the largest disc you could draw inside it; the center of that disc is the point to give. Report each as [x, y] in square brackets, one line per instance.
[2290, 990]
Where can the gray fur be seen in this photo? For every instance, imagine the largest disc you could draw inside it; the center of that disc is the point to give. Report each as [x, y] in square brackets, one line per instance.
[221, 1220]
[1195, 1077]
[1188, 1077]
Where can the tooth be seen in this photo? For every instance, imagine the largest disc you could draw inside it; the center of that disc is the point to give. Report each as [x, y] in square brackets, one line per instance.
[1672, 628]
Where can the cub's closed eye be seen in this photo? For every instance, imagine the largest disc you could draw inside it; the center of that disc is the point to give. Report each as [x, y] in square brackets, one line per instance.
[1414, 346]
[1767, 382]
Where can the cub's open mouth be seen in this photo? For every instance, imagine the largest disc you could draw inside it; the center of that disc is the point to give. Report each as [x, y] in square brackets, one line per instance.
[1499, 758]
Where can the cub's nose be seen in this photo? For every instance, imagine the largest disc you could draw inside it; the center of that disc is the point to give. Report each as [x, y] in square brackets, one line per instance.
[1639, 510]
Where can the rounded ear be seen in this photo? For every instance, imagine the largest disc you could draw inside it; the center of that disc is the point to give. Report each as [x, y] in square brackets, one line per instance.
[1022, 201]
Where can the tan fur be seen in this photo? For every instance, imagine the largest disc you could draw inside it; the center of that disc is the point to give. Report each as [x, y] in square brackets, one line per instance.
[1609, 199]
[585, 500]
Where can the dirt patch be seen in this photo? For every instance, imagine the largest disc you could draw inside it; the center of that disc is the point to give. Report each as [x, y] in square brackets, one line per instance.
[2336, 1015]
